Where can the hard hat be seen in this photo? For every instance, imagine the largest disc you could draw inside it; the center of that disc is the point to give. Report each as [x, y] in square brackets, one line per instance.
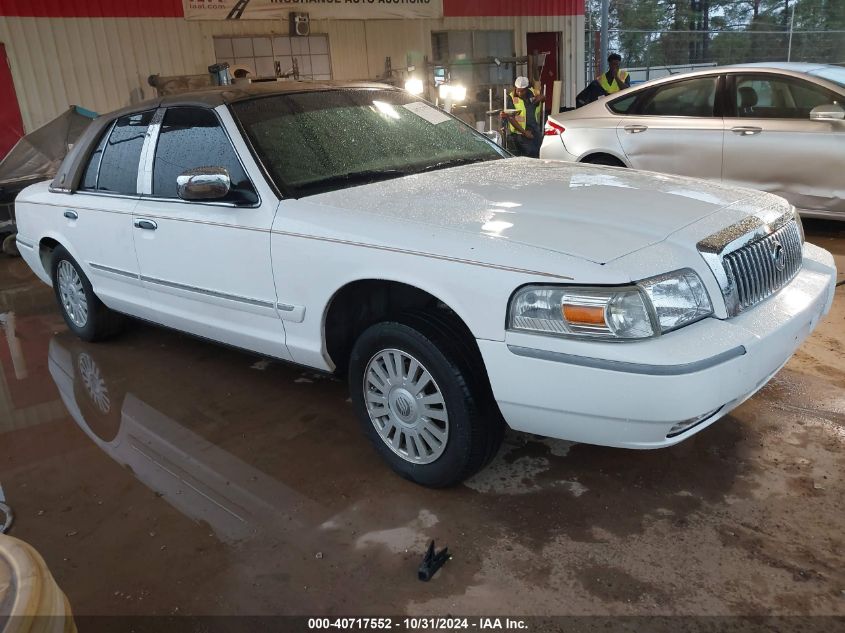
[522, 82]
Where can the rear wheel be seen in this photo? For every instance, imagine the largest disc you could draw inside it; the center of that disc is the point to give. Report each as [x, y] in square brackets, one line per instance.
[84, 313]
[603, 159]
[423, 400]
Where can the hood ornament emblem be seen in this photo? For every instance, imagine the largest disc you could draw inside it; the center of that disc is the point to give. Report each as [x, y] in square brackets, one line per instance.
[778, 256]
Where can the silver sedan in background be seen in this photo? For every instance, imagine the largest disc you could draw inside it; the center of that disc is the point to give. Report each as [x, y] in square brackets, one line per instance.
[775, 127]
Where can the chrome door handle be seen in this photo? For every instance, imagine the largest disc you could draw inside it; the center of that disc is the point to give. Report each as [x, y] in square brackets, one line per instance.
[147, 225]
[746, 130]
[70, 214]
[635, 129]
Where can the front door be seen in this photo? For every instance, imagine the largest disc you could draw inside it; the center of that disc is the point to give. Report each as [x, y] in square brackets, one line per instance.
[206, 264]
[771, 143]
[676, 129]
[11, 124]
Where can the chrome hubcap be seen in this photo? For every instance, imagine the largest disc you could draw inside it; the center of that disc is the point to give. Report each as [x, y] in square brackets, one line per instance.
[94, 383]
[406, 406]
[73, 294]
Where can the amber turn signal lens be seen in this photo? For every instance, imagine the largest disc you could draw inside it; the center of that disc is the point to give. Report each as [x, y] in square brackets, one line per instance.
[584, 315]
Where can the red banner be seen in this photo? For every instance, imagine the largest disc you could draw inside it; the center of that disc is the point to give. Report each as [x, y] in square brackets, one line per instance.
[485, 8]
[92, 8]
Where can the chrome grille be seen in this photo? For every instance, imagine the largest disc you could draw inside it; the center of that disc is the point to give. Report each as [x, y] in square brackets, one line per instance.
[761, 268]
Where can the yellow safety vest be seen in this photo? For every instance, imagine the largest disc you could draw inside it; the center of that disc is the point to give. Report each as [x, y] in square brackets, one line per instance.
[521, 115]
[610, 88]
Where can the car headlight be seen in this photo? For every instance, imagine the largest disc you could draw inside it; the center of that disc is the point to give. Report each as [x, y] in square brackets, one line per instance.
[649, 308]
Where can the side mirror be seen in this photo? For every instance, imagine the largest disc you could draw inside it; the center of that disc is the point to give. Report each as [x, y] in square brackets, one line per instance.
[828, 112]
[204, 183]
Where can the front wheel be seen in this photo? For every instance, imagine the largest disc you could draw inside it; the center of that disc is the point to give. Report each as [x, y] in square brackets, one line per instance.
[422, 401]
[84, 313]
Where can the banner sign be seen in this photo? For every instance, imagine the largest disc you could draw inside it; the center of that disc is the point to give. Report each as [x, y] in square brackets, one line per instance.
[317, 9]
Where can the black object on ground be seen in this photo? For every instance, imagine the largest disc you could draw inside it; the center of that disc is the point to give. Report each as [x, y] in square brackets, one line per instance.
[432, 562]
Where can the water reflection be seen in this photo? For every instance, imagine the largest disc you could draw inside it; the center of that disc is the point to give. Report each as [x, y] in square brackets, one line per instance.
[197, 477]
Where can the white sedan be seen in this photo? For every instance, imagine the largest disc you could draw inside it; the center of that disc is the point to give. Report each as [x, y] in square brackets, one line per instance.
[355, 229]
[775, 127]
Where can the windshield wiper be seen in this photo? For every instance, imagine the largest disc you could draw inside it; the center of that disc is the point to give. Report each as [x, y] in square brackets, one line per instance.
[353, 179]
[454, 162]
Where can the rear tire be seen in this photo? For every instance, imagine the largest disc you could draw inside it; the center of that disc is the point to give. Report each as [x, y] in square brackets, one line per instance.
[85, 315]
[450, 429]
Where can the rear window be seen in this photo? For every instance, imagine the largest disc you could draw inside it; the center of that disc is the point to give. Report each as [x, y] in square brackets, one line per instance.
[113, 167]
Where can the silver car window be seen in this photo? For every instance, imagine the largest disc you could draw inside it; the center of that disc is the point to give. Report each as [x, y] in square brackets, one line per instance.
[690, 97]
[773, 97]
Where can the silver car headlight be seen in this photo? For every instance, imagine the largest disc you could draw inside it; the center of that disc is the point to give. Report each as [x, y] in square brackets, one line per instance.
[649, 308]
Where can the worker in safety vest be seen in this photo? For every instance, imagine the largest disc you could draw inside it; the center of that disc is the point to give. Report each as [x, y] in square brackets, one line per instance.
[614, 79]
[525, 125]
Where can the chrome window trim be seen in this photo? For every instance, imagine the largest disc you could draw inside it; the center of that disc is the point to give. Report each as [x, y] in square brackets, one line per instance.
[627, 367]
[145, 169]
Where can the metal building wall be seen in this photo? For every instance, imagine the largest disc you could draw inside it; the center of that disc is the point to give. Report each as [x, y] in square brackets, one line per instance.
[103, 63]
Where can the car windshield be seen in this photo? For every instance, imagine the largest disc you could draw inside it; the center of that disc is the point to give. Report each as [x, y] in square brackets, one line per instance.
[319, 141]
[836, 75]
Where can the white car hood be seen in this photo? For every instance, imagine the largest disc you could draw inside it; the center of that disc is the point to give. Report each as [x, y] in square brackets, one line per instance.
[594, 213]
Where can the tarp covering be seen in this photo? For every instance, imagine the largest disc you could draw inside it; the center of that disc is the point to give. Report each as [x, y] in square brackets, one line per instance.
[37, 155]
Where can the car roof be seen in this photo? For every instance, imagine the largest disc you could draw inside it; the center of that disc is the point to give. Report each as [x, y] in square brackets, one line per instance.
[70, 172]
[221, 95]
[798, 67]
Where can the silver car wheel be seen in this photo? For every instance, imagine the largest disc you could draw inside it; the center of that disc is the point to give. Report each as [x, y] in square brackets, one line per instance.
[72, 294]
[406, 406]
[94, 383]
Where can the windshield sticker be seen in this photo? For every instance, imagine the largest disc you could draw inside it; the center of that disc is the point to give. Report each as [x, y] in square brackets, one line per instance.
[425, 111]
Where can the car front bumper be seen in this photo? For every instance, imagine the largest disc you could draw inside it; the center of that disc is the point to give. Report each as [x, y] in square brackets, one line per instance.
[632, 395]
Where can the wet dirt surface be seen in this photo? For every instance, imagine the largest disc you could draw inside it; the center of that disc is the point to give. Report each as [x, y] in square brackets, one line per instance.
[160, 474]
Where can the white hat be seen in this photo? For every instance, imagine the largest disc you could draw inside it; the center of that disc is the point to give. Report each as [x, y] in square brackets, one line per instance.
[522, 82]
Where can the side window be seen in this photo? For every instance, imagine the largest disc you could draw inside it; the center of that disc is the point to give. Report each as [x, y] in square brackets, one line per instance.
[192, 138]
[690, 97]
[623, 105]
[113, 167]
[770, 97]
[89, 179]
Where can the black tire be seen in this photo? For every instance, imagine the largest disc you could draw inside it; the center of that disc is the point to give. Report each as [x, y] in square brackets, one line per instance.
[602, 159]
[101, 322]
[476, 427]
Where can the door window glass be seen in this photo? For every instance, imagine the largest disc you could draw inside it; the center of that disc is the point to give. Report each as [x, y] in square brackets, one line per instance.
[113, 167]
[770, 97]
[691, 97]
[89, 179]
[191, 138]
[623, 106]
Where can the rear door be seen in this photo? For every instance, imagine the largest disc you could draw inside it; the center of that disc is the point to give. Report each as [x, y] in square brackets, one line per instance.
[771, 143]
[206, 264]
[676, 128]
[97, 218]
